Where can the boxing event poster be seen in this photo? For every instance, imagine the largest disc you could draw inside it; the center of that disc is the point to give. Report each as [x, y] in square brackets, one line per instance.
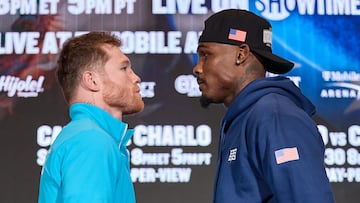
[174, 148]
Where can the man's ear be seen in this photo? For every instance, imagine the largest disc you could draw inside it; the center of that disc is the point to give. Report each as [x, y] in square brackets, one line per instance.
[90, 81]
[242, 53]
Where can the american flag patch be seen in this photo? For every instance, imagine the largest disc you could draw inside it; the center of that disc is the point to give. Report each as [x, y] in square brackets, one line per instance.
[286, 154]
[237, 35]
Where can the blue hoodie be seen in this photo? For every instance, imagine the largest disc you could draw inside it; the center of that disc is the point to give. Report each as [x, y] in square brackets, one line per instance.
[270, 149]
[88, 161]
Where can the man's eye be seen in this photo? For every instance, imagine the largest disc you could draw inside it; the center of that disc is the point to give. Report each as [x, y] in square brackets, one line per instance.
[203, 54]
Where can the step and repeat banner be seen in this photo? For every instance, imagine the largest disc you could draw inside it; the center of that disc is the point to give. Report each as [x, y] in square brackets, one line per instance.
[173, 151]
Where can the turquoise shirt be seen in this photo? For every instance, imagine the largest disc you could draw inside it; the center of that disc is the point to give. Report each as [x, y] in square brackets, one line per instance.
[88, 161]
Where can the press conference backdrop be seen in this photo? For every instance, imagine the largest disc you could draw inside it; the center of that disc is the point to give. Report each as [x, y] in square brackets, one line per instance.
[173, 151]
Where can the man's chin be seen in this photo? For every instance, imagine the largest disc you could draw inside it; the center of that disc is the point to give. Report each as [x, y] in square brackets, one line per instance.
[205, 102]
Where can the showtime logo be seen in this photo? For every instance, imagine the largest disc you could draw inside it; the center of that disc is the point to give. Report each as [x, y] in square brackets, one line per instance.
[187, 84]
[280, 9]
[28, 87]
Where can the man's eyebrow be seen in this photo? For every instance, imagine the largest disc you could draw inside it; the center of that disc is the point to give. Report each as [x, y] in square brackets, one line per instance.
[200, 46]
[126, 62]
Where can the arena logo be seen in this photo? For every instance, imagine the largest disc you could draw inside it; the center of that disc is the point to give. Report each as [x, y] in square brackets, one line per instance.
[28, 87]
[341, 76]
[280, 9]
[341, 90]
[341, 85]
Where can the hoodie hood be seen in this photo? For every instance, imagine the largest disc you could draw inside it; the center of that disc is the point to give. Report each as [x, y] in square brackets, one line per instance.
[263, 86]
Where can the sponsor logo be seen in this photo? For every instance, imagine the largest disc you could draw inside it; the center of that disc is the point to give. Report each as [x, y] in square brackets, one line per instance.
[341, 85]
[232, 155]
[14, 86]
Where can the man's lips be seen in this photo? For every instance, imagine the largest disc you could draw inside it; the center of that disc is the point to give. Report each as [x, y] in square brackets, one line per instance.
[200, 81]
[137, 90]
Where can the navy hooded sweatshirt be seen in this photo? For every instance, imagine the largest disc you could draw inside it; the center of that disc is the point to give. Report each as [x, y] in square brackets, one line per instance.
[270, 149]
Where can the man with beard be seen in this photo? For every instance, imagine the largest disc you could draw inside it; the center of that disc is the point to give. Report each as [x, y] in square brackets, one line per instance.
[269, 148]
[88, 161]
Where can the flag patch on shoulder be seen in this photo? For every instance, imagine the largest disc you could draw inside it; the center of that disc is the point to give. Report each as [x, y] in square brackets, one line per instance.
[286, 154]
